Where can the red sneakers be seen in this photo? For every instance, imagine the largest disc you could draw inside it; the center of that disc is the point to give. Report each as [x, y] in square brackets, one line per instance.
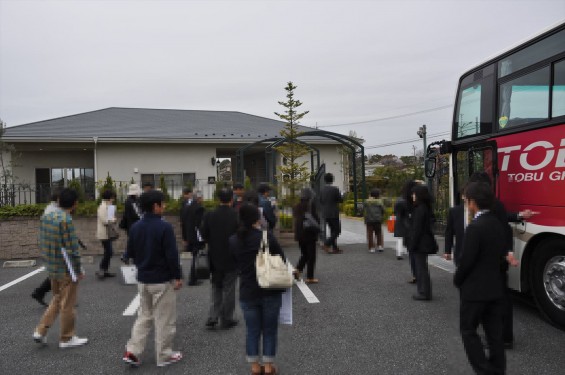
[173, 358]
[131, 359]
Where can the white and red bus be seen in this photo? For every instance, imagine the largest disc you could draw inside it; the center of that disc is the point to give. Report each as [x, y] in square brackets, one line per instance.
[509, 120]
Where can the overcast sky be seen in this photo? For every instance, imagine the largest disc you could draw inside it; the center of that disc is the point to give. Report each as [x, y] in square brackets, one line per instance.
[353, 61]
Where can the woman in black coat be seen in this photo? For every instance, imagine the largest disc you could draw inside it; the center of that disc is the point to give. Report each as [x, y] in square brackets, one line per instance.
[261, 307]
[306, 237]
[421, 240]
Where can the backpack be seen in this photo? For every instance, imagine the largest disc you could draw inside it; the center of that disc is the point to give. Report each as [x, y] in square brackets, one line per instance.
[374, 212]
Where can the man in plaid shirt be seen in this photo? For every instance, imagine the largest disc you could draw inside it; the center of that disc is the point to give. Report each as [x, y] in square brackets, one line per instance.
[57, 231]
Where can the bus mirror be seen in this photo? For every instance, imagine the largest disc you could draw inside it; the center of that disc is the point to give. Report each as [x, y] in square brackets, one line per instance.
[430, 167]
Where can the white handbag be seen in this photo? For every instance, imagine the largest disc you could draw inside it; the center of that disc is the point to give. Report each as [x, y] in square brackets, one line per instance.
[272, 270]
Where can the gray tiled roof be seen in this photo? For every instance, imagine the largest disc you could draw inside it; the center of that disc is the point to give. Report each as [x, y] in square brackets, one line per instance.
[142, 123]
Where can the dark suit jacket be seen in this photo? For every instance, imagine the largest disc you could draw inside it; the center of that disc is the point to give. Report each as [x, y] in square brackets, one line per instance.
[216, 229]
[130, 215]
[298, 214]
[478, 275]
[191, 219]
[330, 197]
[422, 239]
[455, 227]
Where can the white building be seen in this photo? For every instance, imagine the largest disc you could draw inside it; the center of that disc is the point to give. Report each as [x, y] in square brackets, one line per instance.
[143, 144]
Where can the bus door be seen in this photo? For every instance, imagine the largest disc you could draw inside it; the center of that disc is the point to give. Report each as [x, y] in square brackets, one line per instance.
[470, 159]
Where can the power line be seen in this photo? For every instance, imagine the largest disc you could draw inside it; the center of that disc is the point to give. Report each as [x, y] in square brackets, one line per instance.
[388, 118]
[394, 143]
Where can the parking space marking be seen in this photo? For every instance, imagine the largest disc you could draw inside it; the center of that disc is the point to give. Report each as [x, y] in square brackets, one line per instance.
[133, 306]
[6, 286]
[442, 264]
[306, 292]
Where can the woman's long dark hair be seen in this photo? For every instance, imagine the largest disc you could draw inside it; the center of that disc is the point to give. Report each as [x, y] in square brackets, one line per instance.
[422, 195]
[248, 215]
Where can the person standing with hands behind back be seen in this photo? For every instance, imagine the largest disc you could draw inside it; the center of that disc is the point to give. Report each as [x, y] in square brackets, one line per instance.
[152, 246]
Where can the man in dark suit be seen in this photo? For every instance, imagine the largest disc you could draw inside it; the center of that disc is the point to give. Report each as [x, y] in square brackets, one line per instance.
[191, 217]
[330, 198]
[455, 228]
[217, 227]
[481, 283]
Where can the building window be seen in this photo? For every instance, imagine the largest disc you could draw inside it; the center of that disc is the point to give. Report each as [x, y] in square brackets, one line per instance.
[174, 182]
[48, 181]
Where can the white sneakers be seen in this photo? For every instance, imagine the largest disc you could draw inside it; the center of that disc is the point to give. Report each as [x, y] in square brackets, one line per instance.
[39, 339]
[372, 250]
[380, 249]
[73, 342]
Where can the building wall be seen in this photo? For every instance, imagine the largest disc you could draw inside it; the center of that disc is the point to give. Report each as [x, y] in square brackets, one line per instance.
[27, 161]
[121, 160]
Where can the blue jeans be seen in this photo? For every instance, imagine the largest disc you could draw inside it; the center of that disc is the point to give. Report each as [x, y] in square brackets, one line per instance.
[262, 317]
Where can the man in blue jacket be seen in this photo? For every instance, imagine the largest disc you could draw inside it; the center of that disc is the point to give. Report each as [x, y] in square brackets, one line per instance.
[152, 246]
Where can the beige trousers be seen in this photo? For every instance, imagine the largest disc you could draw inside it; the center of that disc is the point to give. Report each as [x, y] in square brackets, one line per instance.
[158, 306]
[63, 301]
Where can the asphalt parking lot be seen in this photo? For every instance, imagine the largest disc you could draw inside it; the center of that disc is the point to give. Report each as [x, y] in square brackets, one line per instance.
[365, 323]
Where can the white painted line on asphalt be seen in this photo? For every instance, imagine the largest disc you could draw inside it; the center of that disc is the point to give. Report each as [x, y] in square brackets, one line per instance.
[306, 292]
[310, 297]
[133, 306]
[6, 286]
[442, 264]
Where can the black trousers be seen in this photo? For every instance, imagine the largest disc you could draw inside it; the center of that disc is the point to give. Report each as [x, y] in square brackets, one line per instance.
[412, 264]
[335, 230]
[489, 315]
[192, 275]
[423, 280]
[108, 252]
[307, 257]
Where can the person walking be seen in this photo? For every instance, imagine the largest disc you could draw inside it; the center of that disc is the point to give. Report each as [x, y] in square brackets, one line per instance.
[45, 287]
[403, 213]
[57, 232]
[330, 198]
[306, 235]
[481, 283]
[152, 246]
[238, 192]
[192, 215]
[217, 227]
[505, 218]
[132, 212]
[265, 205]
[261, 307]
[422, 242]
[102, 233]
[373, 212]
[455, 228]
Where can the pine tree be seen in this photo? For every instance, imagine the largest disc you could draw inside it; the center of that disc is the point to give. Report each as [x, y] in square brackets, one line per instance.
[295, 174]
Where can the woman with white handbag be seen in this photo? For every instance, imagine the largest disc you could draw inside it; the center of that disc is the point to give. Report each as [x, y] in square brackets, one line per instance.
[260, 305]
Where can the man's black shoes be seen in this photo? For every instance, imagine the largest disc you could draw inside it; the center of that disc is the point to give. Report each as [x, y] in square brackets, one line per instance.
[229, 324]
[211, 323]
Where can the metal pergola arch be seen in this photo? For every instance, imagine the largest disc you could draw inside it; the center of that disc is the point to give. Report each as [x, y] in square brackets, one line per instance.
[270, 158]
[347, 141]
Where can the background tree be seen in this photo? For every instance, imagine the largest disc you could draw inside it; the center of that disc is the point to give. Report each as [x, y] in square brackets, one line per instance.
[294, 173]
[163, 186]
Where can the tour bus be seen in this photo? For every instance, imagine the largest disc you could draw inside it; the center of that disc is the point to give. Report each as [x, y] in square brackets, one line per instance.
[509, 121]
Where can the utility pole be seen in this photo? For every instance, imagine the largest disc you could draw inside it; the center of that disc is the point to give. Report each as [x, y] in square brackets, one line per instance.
[422, 134]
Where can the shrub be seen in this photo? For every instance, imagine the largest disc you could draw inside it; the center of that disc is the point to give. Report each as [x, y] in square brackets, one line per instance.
[285, 221]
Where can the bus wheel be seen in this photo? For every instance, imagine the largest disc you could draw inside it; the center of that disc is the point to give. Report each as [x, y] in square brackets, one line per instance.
[548, 280]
